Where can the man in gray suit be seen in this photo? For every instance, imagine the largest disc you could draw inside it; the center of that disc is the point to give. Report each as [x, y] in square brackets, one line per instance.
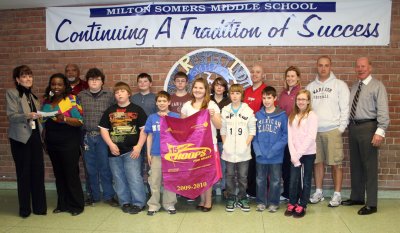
[369, 119]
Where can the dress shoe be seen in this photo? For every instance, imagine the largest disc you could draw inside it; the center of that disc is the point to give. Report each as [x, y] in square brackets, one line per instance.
[206, 209]
[367, 210]
[199, 207]
[350, 202]
[57, 211]
[76, 213]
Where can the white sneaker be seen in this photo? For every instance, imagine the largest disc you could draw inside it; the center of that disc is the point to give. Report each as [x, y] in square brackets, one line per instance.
[273, 208]
[317, 197]
[261, 207]
[335, 200]
[283, 199]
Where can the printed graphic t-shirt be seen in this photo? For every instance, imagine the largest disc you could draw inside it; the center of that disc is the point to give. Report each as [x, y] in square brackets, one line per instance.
[123, 124]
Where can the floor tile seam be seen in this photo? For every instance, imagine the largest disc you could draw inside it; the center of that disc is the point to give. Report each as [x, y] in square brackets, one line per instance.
[104, 219]
[181, 222]
[342, 219]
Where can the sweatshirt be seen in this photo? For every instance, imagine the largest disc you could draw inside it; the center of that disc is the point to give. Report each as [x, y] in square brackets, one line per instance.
[237, 127]
[271, 138]
[301, 139]
[330, 101]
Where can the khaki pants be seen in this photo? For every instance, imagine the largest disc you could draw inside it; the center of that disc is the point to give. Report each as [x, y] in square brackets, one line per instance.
[155, 181]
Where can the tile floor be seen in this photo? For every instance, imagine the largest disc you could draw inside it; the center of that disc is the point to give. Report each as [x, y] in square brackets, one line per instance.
[103, 218]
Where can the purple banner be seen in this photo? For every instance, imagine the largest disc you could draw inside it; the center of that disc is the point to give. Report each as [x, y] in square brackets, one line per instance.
[190, 162]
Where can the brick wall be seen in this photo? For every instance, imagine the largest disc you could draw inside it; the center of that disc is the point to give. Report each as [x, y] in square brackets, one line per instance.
[22, 41]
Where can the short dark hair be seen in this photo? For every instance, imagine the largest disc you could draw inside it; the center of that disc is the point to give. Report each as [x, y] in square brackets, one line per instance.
[181, 74]
[269, 90]
[163, 94]
[144, 75]
[93, 73]
[220, 81]
[19, 71]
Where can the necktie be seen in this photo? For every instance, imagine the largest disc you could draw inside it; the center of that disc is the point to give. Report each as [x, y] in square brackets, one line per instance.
[355, 101]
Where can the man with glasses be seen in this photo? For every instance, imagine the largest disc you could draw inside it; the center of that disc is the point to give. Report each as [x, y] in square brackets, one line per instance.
[94, 102]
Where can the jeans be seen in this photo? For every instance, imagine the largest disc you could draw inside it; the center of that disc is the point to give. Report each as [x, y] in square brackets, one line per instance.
[307, 165]
[268, 173]
[98, 168]
[128, 181]
[223, 168]
[236, 170]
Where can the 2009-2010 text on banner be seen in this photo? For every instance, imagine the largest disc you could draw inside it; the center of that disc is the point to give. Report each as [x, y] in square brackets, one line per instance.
[236, 23]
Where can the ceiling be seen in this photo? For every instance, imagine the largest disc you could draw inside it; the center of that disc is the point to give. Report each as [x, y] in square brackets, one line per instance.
[18, 4]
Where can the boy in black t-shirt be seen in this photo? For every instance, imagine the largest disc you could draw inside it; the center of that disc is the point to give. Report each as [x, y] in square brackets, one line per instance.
[121, 127]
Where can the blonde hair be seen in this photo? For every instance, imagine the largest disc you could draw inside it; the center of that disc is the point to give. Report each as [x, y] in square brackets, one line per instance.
[207, 97]
[296, 109]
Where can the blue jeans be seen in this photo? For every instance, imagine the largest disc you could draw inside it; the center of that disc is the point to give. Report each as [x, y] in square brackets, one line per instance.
[307, 164]
[128, 179]
[239, 171]
[98, 168]
[268, 173]
[223, 167]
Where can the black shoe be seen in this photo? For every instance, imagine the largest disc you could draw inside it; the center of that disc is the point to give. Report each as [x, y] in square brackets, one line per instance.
[206, 209]
[350, 202]
[367, 210]
[76, 213]
[199, 207]
[135, 209]
[112, 202]
[89, 202]
[126, 207]
[40, 213]
[57, 211]
[24, 215]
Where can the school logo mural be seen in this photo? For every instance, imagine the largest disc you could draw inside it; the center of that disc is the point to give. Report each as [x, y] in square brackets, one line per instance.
[209, 63]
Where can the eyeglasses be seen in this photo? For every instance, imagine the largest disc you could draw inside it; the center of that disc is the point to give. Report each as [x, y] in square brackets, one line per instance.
[95, 79]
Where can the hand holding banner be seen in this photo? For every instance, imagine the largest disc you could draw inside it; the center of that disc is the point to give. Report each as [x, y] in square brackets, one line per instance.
[190, 162]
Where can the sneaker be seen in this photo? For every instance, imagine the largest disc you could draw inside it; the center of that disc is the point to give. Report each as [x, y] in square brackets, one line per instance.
[151, 213]
[112, 202]
[335, 200]
[126, 207]
[243, 204]
[230, 204]
[317, 197]
[283, 199]
[299, 212]
[261, 207]
[171, 210]
[250, 196]
[89, 202]
[135, 209]
[273, 208]
[290, 210]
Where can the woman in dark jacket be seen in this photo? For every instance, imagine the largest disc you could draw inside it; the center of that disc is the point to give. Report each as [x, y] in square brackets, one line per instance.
[26, 144]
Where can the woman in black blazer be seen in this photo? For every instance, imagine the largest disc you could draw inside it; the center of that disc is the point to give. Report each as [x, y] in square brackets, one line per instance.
[24, 133]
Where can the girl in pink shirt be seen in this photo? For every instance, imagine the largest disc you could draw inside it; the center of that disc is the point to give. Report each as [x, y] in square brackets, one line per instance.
[302, 132]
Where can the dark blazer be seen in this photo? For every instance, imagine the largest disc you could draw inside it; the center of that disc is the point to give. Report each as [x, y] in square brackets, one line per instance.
[17, 113]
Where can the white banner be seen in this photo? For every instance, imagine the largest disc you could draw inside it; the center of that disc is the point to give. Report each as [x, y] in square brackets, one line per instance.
[216, 24]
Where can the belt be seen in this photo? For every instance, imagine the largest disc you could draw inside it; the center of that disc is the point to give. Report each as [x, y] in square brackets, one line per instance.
[93, 133]
[359, 122]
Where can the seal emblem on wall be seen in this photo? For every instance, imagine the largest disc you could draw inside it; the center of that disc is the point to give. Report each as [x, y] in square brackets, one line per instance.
[209, 63]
